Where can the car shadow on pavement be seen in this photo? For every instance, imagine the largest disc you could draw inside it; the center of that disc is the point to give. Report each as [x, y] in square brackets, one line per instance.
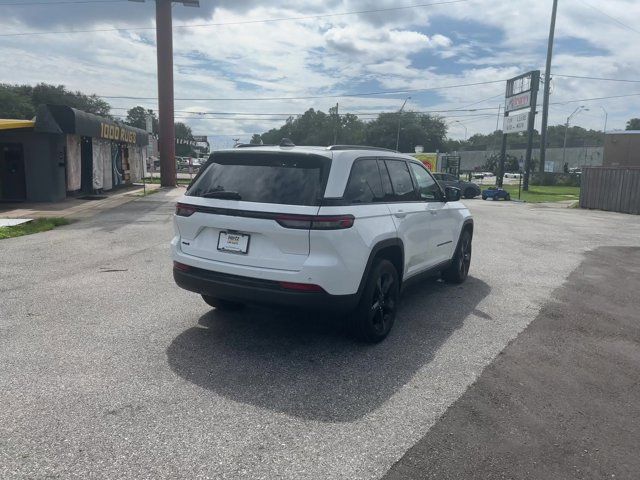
[305, 365]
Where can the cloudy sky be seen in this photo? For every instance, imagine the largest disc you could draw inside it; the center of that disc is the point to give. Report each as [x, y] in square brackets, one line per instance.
[226, 53]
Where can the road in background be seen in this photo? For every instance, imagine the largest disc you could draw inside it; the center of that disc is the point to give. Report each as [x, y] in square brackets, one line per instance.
[110, 370]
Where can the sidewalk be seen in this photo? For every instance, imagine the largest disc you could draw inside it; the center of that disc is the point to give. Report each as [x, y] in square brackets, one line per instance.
[74, 207]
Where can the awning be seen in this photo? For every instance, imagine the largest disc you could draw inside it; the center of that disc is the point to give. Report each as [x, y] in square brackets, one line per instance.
[63, 119]
[10, 124]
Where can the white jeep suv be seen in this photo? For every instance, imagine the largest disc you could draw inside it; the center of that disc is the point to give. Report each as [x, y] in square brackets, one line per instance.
[340, 227]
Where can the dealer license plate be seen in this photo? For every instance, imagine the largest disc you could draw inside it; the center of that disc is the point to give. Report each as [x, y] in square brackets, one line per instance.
[233, 242]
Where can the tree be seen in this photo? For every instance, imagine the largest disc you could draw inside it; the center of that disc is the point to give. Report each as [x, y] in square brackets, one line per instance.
[184, 140]
[415, 129]
[22, 101]
[576, 137]
[15, 102]
[58, 94]
[256, 139]
[315, 127]
[137, 117]
[510, 163]
[633, 124]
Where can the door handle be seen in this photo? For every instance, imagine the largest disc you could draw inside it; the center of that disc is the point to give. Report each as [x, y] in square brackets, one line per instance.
[400, 214]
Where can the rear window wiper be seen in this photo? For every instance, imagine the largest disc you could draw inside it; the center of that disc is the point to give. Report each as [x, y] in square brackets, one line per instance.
[224, 194]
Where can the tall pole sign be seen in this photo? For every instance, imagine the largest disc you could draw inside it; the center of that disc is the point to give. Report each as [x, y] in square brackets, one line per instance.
[519, 116]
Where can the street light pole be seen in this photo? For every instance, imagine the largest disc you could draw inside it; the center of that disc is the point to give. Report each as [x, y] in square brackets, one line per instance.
[566, 128]
[399, 118]
[604, 131]
[465, 129]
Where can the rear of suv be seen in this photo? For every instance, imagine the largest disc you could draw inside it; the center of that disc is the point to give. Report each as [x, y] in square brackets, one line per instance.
[336, 228]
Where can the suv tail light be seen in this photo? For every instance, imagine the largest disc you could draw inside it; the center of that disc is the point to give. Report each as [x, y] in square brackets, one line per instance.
[316, 222]
[183, 210]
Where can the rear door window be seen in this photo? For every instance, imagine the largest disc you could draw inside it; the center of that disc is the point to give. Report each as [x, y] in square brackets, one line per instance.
[401, 182]
[365, 184]
[288, 179]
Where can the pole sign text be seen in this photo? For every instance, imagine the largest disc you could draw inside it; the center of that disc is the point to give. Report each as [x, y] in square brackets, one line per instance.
[516, 102]
[516, 123]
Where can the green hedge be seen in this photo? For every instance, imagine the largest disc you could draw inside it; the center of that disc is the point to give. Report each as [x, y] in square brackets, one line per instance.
[560, 179]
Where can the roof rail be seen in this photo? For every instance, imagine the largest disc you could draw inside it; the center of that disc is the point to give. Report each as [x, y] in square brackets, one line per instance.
[252, 145]
[359, 147]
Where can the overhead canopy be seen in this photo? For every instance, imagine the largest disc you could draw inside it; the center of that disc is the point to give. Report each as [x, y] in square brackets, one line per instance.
[10, 124]
[63, 119]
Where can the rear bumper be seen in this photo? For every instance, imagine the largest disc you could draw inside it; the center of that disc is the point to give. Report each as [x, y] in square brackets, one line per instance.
[258, 291]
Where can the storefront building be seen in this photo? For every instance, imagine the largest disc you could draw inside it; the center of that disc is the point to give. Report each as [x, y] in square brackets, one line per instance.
[68, 152]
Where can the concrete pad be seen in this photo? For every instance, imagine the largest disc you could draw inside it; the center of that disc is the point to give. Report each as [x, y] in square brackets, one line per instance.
[12, 222]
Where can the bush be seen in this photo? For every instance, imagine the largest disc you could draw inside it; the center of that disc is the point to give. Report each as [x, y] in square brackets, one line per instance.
[560, 179]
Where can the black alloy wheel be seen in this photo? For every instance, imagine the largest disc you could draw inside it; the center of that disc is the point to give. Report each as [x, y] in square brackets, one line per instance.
[374, 317]
[458, 271]
[383, 307]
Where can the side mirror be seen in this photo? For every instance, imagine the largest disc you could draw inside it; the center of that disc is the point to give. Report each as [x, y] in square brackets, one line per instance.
[452, 194]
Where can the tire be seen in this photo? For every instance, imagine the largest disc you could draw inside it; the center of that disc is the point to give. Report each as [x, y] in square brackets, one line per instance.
[459, 268]
[483, 197]
[372, 320]
[508, 197]
[469, 193]
[220, 304]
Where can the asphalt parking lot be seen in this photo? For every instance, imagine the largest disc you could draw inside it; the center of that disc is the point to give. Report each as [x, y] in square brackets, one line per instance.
[110, 371]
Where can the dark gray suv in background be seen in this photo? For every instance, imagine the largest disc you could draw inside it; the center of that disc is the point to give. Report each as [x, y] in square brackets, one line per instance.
[468, 189]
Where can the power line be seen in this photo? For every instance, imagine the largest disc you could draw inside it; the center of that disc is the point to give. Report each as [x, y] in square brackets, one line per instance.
[610, 17]
[597, 78]
[455, 110]
[596, 98]
[66, 2]
[255, 99]
[242, 22]
[283, 116]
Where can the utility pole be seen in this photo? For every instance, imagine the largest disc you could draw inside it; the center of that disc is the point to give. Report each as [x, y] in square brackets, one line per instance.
[547, 88]
[167, 134]
[166, 127]
[399, 118]
[335, 132]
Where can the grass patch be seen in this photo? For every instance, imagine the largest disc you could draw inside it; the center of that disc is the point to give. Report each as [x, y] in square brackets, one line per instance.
[539, 193]
[37, 225]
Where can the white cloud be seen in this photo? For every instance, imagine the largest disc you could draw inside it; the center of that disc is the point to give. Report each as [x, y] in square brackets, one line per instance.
[402, 49]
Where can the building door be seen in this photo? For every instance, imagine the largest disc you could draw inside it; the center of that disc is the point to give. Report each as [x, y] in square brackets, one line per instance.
[86, 159]
[12, 174]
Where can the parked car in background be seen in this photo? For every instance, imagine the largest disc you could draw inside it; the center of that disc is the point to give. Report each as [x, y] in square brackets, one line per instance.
[468, 189]
[481, 175]
[512, 175]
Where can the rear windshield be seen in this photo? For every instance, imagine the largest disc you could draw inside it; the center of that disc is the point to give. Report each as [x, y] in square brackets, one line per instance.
[290, 179]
